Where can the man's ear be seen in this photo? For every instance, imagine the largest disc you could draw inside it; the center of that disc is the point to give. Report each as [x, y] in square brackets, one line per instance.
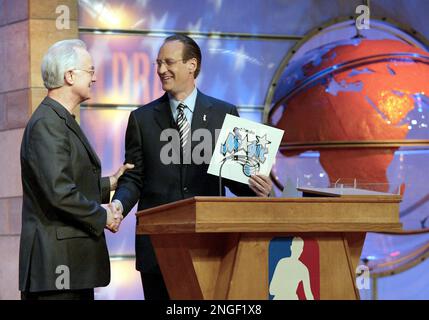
[192, 65]
[68, 77]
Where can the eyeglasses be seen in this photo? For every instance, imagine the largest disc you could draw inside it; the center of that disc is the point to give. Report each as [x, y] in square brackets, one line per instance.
[91, 71]
[167, 62]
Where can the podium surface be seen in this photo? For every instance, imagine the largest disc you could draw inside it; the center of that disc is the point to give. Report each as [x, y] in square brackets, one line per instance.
[219, 248]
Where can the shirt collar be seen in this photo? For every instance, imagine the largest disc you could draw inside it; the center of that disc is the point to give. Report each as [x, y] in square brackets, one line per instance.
[189, 101]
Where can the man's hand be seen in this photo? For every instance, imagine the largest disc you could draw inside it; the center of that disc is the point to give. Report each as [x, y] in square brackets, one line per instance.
[261, 185]
[114, 179]
[114, 217]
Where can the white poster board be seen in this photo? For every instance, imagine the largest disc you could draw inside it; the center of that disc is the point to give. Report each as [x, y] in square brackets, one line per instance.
[244, 148]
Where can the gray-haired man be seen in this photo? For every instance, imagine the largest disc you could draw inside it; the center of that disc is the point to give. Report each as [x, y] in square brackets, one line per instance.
[63, 252]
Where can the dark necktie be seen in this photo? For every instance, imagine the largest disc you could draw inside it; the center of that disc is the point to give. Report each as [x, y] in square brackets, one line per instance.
[183, 125]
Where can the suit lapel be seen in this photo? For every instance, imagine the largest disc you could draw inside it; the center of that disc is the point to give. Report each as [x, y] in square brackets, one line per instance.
[73, 126]
[162, 114]
[201, 115]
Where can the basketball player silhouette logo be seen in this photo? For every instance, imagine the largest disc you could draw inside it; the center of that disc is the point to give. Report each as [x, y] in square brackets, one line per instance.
[291, 278]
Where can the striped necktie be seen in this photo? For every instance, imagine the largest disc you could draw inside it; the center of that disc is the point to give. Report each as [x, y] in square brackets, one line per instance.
[183, 125]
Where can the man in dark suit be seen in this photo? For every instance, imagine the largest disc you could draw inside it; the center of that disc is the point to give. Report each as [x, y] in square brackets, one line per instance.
[154, 181]
[63, 252]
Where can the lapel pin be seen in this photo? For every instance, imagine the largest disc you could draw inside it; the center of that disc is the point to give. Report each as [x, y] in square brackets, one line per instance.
[204, 118]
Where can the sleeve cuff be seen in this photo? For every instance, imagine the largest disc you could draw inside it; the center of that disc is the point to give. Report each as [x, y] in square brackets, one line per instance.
[105, 190]
[119, 204]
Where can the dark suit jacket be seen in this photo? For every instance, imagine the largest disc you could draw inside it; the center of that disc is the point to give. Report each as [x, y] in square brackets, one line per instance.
[153, 183]
[62, 220]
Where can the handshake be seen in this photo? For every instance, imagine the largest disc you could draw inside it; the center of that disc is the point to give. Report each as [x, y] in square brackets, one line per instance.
[114, 216]
[114, 209]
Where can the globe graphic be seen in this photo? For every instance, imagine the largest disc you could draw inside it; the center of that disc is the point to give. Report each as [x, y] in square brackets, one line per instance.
[362, 106]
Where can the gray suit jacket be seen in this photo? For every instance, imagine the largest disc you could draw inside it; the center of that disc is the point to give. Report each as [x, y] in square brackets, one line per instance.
[62, 220]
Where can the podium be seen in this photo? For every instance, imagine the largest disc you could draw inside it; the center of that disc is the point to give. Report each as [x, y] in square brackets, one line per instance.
[218, 248]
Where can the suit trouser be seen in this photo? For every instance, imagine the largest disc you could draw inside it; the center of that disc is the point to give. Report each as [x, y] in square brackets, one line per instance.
[154, 287]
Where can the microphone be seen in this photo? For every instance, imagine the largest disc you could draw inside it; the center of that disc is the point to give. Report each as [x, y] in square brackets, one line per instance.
[220, 171]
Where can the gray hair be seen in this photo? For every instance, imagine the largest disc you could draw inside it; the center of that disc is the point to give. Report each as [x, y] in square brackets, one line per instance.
[61, 56]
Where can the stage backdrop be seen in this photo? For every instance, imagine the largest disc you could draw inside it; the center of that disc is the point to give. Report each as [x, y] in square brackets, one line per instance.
[246, 46]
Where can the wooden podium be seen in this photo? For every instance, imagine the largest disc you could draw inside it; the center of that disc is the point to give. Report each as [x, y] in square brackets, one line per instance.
[217, 247]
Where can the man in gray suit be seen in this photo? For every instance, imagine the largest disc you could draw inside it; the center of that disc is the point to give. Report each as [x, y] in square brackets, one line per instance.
[63, 252]
[151, 183]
